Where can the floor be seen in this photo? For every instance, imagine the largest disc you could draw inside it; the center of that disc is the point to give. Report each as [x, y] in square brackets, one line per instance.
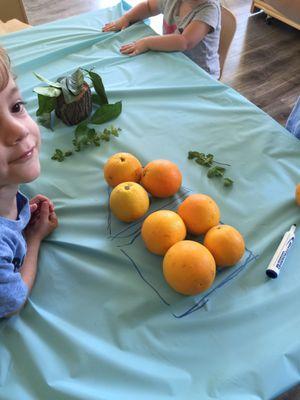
[262, 64]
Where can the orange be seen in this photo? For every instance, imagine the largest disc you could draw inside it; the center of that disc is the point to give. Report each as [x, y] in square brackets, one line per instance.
[297, 194]
[122, 167]
[161, 230]
[199, 213]
[189, 268]
[226, 244]
[129, 201]
[161, 178]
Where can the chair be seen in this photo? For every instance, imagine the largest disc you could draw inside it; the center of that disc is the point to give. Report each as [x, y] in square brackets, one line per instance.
[228, 28]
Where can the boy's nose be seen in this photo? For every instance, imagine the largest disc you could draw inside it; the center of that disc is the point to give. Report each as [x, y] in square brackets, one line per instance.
[16, 132]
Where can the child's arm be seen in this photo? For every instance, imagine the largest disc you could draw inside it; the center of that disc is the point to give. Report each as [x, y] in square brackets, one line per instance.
[140, 12]
[38, 228]
[190, 37]
[15, 289]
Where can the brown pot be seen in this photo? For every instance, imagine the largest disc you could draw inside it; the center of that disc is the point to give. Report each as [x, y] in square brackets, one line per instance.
[77, 111]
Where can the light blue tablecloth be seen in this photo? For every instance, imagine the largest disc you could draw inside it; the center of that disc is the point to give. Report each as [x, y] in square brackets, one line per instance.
[101, 322]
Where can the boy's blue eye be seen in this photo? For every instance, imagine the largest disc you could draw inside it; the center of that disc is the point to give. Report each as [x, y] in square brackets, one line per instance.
[18, 107]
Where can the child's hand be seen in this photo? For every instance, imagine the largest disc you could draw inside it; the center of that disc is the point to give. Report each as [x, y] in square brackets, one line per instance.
[35, 207]
[134, 48]
[36, 202]
[117, 25]
[42, 222]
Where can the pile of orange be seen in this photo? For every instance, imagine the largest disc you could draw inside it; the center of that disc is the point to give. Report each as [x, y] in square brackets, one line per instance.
[188, 266]
[131, 183]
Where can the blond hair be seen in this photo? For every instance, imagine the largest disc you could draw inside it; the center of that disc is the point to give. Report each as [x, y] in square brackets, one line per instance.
[4, 69]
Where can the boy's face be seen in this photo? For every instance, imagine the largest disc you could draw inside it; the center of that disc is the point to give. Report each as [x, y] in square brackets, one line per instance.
[19, 139]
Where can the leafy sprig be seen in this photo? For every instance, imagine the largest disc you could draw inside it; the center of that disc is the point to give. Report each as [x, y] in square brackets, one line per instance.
[207, 160]
[85, 136]
[59, 155]
[228, 182]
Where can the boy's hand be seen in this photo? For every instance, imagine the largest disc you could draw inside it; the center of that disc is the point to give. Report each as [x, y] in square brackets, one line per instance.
[42, 223]
[134, 48]
[117, 25]
[36, 202]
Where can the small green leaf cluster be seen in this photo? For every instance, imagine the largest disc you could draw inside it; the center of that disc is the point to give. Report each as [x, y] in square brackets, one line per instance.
[59, 155]
[85, 136]
[215, 171]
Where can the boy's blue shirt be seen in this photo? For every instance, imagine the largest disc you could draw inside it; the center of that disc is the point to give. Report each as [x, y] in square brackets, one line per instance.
[13, 290]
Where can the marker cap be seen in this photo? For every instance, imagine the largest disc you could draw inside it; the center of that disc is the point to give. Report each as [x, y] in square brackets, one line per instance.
[271, 273]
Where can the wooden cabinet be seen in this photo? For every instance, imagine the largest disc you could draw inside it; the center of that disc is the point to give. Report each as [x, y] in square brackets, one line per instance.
[287, 11]
[11, 9]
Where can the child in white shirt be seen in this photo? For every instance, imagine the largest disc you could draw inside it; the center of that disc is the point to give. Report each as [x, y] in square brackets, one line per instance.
[190, 26]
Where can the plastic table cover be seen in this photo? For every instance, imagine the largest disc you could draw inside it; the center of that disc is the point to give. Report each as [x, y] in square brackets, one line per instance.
[101, 322]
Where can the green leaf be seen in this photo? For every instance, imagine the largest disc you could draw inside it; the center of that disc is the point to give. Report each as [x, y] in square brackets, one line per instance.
[105, 136]
[99, 87]
[200, 158]
[46, 104]
[58, 155]
[216, 172]
[205, 160]
[227, 182]
[45, 120]
[107, 112]
[114, 131]
[209, 159]
[47, 91]
[83, 135]
[96, 99]
[41, 78]
[68, 96]
[81, 128]
[75, 81]
[194, 154]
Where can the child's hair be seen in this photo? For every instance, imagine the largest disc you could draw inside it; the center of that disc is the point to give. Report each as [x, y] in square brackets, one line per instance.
[4, 69]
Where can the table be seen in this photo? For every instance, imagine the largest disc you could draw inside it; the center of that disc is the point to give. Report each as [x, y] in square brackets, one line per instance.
[101, 322]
